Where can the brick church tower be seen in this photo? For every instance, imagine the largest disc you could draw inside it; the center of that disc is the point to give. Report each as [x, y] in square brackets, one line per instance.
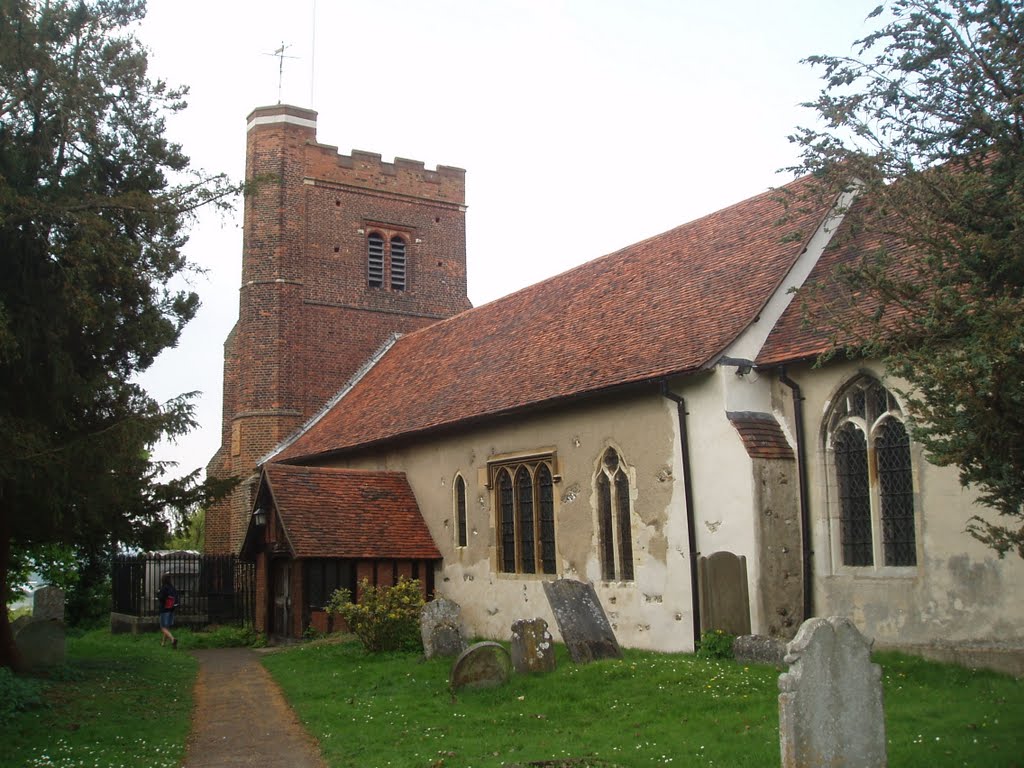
[339, 253]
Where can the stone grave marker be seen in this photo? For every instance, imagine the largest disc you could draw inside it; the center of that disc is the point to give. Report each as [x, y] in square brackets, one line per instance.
[582, 621]
[441, 628]
[830, 705]
[41, 643]
[48, 603]
[483, 665]
[724, 602]
[532, 647]
[760, 649]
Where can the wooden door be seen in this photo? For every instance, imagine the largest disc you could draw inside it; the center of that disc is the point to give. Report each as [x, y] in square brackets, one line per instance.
[282, 598]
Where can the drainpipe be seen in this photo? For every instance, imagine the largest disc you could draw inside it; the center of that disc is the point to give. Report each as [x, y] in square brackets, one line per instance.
[805, 513]
[691, 529]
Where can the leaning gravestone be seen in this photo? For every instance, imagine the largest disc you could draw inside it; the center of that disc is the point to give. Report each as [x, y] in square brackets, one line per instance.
[582, 621]
[441, 628]
[484, 665]
[48, 603]
[41, 644]
[532, 647]
[830, 705]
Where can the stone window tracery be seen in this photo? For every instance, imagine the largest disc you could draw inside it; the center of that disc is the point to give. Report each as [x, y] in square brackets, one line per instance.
[615, 530]
[873, 476]
[525, 506]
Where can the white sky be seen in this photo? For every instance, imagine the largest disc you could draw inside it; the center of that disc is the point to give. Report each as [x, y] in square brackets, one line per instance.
[584, 125]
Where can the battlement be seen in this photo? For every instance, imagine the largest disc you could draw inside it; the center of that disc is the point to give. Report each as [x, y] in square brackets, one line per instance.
[324, 165]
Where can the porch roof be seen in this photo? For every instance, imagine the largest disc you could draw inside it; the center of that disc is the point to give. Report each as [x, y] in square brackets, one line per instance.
[348, 513]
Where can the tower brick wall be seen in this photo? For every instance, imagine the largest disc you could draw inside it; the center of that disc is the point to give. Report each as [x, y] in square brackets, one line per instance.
[309, 316]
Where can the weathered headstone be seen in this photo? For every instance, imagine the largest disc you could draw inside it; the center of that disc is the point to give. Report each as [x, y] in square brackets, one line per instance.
[441, 628]
[532, 647]
[19, 622]
[41, 643]
[48, 603]
[759, 649]
[830, 705]
[582, 621]
[483, 665]
[724, 600]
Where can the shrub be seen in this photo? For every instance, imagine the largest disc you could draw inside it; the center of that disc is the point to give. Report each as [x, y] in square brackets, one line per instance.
[715, 645]
[385, 618]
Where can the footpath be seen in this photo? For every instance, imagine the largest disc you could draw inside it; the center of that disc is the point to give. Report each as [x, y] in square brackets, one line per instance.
[242, 719]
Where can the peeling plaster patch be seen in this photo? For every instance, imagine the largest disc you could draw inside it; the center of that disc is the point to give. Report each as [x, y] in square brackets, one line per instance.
[652, 598]
[442, 482]
[474, 531]
[481, 502]
[643, 627]
[576, 442]
[493, 611]
[466, 577]
[446, 524]
[571, 493]
[679, 616]
[712, 525]
[658, 547]
[664, 474]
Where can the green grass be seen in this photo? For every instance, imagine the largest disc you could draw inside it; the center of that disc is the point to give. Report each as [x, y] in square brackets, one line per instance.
[648, 709]
[119, 701]
[124, 701]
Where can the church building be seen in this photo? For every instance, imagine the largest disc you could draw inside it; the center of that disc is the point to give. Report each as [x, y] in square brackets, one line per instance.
[652, 422]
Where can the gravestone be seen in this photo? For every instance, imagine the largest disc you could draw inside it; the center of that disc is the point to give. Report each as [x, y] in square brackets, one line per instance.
[19, 622]
[724, 601]
[582, 621]
[532, 647]
[441, 628]
[830, 705]
[759, 649]
[48, 603]
[484, 665]
[41, 643]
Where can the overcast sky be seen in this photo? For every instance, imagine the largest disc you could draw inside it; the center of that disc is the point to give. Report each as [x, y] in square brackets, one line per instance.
[583, 125]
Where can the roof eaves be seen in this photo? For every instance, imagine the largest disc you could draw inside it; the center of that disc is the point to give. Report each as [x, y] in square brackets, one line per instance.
[280, 515]
[337, 398]
[648, 381]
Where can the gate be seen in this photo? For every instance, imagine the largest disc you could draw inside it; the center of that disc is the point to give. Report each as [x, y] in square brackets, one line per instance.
[212, 589]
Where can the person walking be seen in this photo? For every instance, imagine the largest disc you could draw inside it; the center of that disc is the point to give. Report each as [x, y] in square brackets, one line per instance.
[168, 601]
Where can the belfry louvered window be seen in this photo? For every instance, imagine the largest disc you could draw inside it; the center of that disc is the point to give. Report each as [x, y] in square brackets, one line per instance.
[615, 530]
[387, 260]
[375, 260]
[397, 264]
[525, 505]
[873, 475]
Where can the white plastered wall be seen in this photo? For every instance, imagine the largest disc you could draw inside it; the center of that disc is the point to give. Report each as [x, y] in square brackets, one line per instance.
[653, 611]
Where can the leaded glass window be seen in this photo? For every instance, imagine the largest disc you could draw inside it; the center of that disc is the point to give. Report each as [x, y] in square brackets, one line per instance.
[614, 522]
[460, 511]
[873, 477]
[526, 506]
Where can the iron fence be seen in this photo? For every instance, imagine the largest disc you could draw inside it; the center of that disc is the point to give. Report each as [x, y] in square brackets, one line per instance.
[212, 589]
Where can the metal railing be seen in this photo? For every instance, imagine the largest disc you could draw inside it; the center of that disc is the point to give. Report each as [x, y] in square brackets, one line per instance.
[212, 589]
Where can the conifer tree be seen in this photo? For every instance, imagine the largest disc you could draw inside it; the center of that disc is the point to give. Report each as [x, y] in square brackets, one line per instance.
[926, 120]
[94, 202]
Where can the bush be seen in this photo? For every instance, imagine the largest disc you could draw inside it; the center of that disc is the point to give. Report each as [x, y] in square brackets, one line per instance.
[17, 694]
[385, 618]
[715, 645]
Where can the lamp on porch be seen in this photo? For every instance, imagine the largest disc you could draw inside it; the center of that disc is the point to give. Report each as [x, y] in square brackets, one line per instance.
[259, 517]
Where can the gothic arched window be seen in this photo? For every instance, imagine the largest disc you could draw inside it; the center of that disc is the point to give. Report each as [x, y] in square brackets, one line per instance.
[873, 476]
[615, 530]
[460, 511]
[387, 260]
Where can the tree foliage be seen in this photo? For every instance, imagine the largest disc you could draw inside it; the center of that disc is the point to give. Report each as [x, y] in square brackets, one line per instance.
[926, 120]
[94, 202]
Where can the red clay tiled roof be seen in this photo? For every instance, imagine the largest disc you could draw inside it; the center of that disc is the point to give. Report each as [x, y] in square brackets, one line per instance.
[349, 513]
[761, 434]
[664, 306]
[808, 326]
